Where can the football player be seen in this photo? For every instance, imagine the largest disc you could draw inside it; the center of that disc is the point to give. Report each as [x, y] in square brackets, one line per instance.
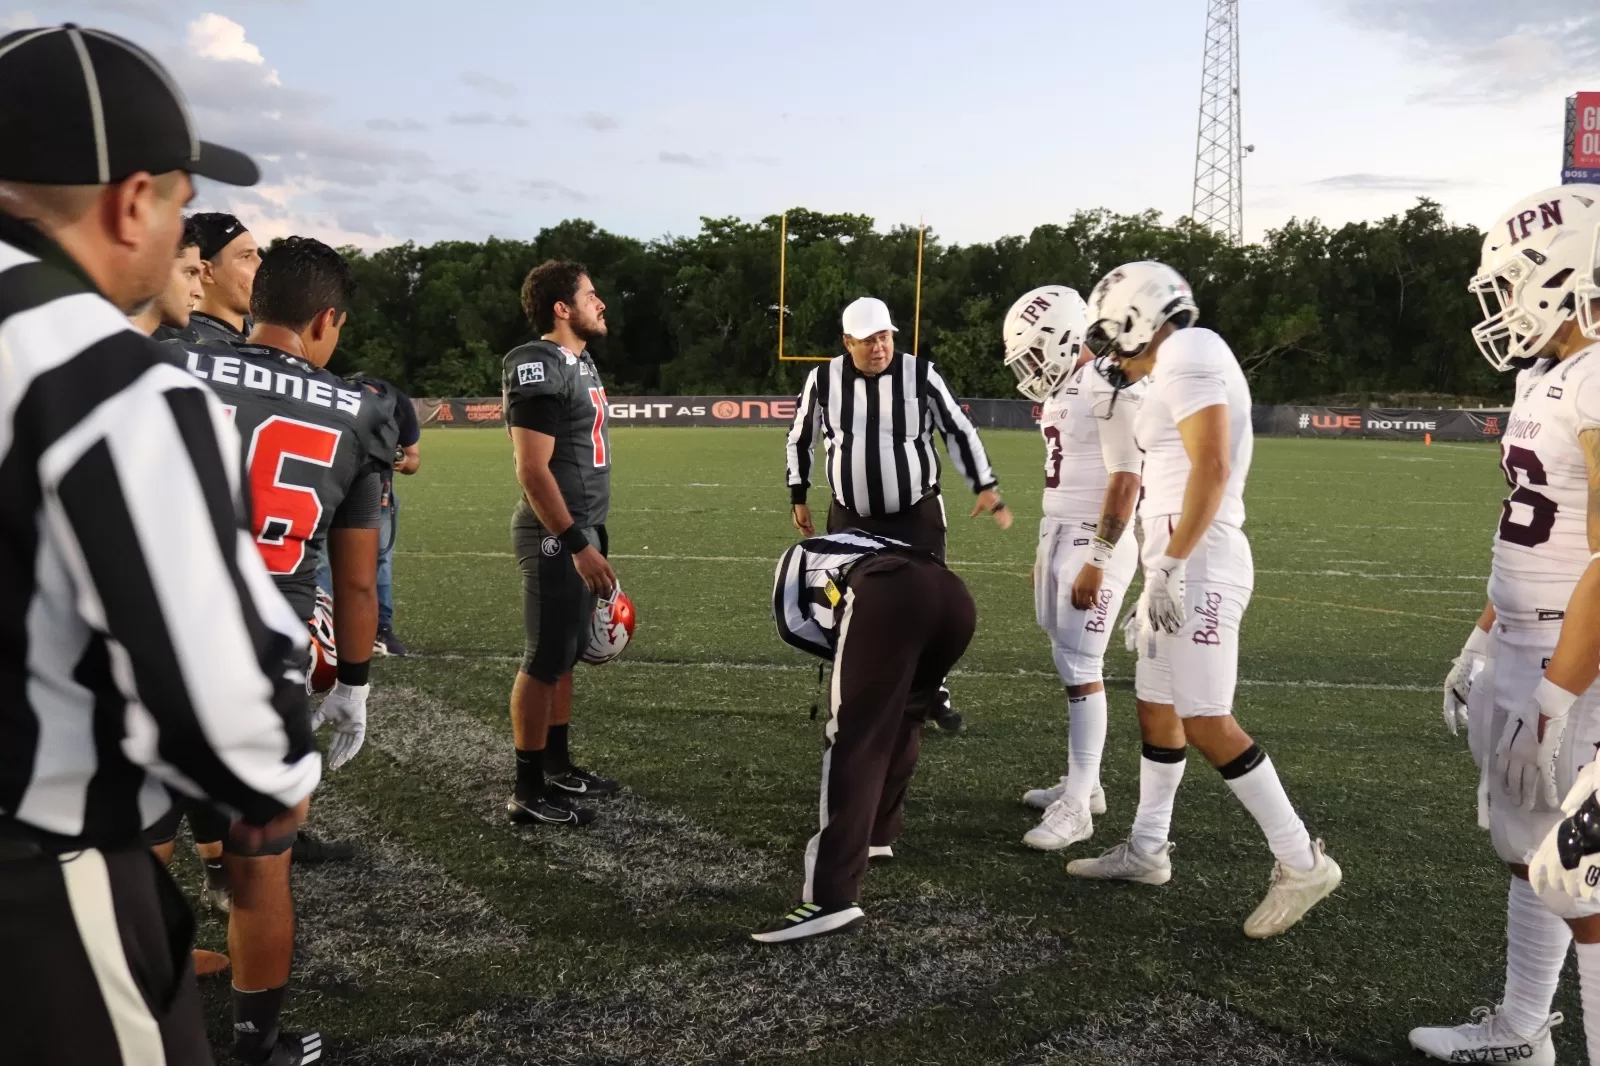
[167, 316]
[315, 448]
[1194, 427]
[1083, 564]
[1531, 713]
[229, 259]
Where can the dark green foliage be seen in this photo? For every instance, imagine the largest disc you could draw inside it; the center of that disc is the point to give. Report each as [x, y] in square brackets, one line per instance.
[1371, 307]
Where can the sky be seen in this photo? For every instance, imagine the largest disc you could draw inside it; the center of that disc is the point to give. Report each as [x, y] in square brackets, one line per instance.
[378, 122]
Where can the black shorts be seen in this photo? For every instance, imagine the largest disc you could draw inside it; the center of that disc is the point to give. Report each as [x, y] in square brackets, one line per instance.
[208, 824]
[556, 605]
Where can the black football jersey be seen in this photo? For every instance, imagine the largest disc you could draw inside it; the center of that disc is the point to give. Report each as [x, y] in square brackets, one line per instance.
[581, 461]
[306, 438]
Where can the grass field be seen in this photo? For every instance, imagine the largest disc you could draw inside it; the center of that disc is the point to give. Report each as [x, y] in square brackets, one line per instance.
[458, 939]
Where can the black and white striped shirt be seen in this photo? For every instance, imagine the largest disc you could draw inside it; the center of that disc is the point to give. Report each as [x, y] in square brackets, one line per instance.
[807, 588]
[877, 434]
[142, 642]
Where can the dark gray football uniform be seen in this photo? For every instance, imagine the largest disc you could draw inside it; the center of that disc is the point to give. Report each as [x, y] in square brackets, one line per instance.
[314, 448]
[550, 390]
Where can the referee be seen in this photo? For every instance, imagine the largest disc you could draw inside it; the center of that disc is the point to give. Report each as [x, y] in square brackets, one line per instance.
[141, 641]
[876, 410]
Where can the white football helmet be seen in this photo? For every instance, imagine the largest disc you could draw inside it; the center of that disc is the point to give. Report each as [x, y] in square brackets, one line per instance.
[1043, 333]
[1538, 267]
[1131, 303]
[610, 628]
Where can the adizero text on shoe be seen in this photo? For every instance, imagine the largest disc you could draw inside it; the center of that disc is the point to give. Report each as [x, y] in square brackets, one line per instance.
[290, 1049]
[580, 782]
[309, 848]
[1126, 863]
[1064, 824]
[1487, 1038]
[1291, 893]
[809, 920]
[1040, 798]
[548, 810]
[880, 852]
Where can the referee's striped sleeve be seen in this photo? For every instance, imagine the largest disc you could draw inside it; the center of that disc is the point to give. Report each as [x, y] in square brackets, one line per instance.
[140, 490]
[802, 439]
[960, 435]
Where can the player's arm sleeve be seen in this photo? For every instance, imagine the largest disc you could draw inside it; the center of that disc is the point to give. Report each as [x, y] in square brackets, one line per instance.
[406, 420]
[361, 507]
[802, 439]
[1192, 384]
[1588, 403]
[536, 392]
[961, 438]
[142, 501]
[1119, 449]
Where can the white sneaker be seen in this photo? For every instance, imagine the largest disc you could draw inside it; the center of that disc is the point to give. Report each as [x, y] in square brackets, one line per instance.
[1487, 1039]
[1040, 798]
[1063, 825]
[1126, 863]
[876, 852]
[1291, 893]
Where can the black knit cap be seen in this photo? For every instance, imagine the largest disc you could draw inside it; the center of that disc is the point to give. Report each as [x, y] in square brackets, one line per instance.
[85, 107]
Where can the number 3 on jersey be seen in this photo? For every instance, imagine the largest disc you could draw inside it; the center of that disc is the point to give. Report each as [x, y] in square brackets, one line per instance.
[598, 433]
[286, 516]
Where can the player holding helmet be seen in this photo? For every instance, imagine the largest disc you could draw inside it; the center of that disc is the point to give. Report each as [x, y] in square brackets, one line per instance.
[1531, 712]
[1194, 427]
[1083, 564]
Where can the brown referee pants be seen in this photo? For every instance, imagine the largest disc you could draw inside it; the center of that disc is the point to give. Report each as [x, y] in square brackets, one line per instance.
[906, 621]
[921, 525]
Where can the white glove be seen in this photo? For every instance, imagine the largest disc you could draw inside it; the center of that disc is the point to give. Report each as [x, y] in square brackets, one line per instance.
[1575, 840]
[1134, 628]
[1464, 670]
[345, 708]
[1527, 761]
[1166, 592]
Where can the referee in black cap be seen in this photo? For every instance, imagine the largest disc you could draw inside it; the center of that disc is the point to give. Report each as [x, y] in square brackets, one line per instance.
[142, 644]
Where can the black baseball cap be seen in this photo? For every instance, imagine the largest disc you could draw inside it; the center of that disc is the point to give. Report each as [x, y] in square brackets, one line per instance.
[85, 107]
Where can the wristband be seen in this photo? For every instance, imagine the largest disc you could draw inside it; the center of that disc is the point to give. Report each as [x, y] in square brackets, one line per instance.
[1553, 700]
[573, 539]
[354, 674]
[1477, 644]
[1100, 552]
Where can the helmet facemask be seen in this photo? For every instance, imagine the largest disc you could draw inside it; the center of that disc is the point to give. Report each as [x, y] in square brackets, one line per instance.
[1514, 329]
[1039, 374]
[1586, 294]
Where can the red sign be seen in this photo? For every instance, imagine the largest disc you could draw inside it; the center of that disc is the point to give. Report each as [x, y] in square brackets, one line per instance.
[1586, 133]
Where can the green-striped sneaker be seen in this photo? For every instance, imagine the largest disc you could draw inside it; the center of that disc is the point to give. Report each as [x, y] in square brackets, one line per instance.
[811, 919]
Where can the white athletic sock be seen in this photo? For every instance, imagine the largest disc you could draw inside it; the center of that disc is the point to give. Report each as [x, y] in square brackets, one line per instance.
[1536, 946]
[1589, 989]
[1255, 782]
[1159, 778]
[1086, 740]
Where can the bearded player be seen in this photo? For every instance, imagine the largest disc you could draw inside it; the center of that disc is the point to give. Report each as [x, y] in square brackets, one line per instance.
[315, 448]
[1531, 713]
[1194, 427]
[1084, 563]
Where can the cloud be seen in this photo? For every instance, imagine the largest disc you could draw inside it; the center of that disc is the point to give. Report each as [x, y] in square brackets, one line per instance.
[18, 20]
[684, 159]
[1387, 183]
[1496, 52]
[395, 125]
[599, 122]
[213, 36]
[545, 189]
[486, 83]
[486, 118]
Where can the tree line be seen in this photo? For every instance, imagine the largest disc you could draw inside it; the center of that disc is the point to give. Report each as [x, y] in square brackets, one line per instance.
[1370, 308]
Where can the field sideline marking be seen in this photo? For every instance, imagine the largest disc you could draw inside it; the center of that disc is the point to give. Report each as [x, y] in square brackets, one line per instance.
[671, 664]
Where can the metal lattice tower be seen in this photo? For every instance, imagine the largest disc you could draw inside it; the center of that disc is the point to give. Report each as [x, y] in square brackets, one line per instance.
[1220, 150]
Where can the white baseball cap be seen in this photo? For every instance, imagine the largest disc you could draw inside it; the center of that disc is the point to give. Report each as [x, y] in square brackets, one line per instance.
[867, 316]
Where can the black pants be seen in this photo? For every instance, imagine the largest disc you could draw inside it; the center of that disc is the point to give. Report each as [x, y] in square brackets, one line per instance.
[922, 526]
[906, 621]
[556, 605]
[95, 967]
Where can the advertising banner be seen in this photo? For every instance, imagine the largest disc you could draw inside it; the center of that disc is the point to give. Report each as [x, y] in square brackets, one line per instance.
[1582, 160]
[1374, 423]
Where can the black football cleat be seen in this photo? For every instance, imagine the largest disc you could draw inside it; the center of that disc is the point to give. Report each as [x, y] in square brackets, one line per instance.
[555, 810]
[811, 920]
[309, 848]
[219, 889]
[290, 1049]
[949, 721]
[577, 781]
[388, 644]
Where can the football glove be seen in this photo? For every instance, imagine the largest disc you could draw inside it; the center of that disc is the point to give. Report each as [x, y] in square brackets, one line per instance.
[1135, 630]
[1166, 586]
[345, 709]
[1526, 760]
[1568, 860]
[1464, 670]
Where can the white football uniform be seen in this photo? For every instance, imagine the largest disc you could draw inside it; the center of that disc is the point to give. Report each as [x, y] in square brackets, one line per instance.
[1088, 436]
[1541, 549]
[1195, 369]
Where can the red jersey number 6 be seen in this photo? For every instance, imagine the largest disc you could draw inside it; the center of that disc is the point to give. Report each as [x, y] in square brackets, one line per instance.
[286, 516]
